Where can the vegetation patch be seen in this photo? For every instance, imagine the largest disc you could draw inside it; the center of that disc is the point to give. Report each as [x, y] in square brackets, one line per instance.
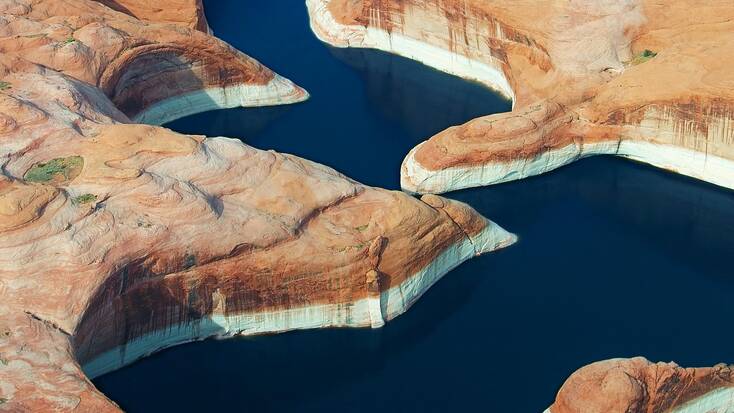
[84, 199]
[362, 227]
[3, 400]
[57, 170]
[69, 40]
[5, 85]
[643, 57]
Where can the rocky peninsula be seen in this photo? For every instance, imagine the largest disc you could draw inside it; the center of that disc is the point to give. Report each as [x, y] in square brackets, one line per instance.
[119, 238]
[633, 78]
[639, 79]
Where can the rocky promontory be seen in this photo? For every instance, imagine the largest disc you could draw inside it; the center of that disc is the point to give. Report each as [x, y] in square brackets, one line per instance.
[634, 78]
[640, 79]
[118, 239]
[637, 385]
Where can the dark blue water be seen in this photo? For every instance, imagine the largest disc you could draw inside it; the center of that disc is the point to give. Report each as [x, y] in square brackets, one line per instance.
[615, 259]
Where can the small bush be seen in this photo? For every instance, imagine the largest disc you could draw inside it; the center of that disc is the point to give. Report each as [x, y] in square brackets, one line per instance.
[361, 227]
[5, 85]
[57, 170]
[69, 40]
[643, 57]
[84, 199]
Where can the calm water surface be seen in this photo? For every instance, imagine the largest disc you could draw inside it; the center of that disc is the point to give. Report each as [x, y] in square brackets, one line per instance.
[615, 259]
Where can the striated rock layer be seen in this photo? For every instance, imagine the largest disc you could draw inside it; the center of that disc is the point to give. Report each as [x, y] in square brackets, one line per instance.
[634, 78]
[119, 239]
[637, 385]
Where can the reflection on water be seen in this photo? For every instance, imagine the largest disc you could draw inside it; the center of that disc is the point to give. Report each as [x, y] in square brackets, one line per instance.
[615, 259]
[237, 122]
[422, 101]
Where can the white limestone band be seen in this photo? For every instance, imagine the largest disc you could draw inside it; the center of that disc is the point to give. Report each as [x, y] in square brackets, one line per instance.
[328, 30]
[366, 312]
[278, 91]
[418, 179]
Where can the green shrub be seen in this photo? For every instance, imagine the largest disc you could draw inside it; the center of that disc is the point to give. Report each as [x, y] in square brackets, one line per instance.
[69, 40]
[58, 170]
[362, 227]
[84, 199]
[643, 57]
[5, 85]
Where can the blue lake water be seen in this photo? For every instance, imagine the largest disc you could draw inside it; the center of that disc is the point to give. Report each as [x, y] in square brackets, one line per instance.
[615, 259]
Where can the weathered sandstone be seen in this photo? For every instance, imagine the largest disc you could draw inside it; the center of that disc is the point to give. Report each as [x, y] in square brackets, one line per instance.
[637, 385]
[119, 239]
[635, 78]
[187, 12]
[577, 70]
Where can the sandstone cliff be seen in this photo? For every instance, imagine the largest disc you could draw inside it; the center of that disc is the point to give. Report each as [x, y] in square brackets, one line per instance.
[118, 239]
[633, 78]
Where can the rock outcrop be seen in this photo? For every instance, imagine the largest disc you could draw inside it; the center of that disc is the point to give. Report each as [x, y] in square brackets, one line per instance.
[637, 385]
[636, 78]
[640, 79]
[118, 239]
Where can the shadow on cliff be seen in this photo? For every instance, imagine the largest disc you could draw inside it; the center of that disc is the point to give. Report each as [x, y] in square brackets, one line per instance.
[148, 75]
[114, 5]
[262, 364]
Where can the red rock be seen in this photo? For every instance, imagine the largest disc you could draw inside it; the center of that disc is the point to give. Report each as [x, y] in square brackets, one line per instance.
[576, 70]
[637, 385]
[156, 238]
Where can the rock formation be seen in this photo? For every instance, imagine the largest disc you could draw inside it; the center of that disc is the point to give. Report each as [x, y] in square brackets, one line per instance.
[640, 79]
[634, 78]
[118, 239]
[637, 385]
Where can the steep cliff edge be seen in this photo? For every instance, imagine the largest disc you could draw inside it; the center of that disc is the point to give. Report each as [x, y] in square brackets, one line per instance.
[119, 239]
[635, 78]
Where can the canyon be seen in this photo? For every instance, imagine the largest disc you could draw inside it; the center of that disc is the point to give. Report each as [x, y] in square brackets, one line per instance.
[636, 79]
[120, 238]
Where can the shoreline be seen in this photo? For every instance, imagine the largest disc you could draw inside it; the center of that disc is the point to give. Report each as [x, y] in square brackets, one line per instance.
[278, 91]
[414, 178]
[333, 33]
[366, 312]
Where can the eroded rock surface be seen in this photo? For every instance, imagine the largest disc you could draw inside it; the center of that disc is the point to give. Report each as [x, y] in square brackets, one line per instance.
[640, 79]
[634, 78]
[637, 385]
[118, 239]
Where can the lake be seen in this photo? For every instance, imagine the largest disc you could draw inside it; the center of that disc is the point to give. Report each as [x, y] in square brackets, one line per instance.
[615, 259]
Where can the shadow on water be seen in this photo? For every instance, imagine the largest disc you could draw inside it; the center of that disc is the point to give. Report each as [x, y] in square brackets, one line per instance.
[615, 259]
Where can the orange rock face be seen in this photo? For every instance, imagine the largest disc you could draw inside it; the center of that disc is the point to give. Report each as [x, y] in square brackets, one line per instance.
[637, 385]
[187, 12]
[635, 78]
[119, 239]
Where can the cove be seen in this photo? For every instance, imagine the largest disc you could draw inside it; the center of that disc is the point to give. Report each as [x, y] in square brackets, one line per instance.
[615, 259]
